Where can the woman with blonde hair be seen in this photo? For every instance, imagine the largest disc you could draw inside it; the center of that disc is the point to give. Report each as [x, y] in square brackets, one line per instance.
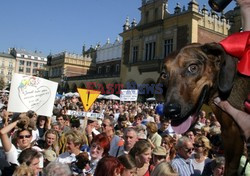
[200, 157]
[153, 136]
[50, 141]
[23, 170]
[164, 169]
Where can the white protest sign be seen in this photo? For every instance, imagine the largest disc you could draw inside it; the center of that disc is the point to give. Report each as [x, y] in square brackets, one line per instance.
[128, 95]
[32, 93]
[84, 114]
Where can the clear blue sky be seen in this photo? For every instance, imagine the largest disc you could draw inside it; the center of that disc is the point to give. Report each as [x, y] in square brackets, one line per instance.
[59, 25]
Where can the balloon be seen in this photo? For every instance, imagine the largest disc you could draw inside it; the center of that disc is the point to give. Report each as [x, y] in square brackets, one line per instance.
[160, 109]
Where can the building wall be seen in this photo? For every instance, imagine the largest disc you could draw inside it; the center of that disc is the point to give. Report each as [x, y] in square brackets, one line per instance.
[28, 63]
[7, 67]
[184, 26]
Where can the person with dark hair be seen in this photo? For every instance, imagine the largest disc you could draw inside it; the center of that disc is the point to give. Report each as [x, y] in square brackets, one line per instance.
[109, 166]
[129, 165]
[42, 125]
[81, 164]
[121, 122]
[31, 158]
[23, 141]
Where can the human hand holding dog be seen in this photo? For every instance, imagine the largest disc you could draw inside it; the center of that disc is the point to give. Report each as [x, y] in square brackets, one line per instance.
[240, 117]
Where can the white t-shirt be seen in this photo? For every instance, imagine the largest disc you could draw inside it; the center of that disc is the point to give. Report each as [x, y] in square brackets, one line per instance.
[199, 167]
[66, 158]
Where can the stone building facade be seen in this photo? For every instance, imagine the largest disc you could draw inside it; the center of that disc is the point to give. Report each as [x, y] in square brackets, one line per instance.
[158, 33]
[7, 67]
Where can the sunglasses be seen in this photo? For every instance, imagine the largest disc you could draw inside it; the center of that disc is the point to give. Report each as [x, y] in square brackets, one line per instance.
[24, 136]
[189, 150]
[198, 145]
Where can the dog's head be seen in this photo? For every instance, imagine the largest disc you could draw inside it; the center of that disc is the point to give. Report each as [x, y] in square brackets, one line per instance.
[189, 77]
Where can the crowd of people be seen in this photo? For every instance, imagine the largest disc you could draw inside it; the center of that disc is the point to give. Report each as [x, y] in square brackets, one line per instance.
[126, 139]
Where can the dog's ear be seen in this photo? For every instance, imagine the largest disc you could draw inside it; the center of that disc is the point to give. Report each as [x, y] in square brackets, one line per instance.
[227, 68]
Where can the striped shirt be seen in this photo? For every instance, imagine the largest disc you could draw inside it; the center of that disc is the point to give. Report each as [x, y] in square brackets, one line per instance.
[182, 166]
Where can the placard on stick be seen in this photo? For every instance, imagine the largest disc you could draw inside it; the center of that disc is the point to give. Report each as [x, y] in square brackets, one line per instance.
[88, 97]
[32, 93]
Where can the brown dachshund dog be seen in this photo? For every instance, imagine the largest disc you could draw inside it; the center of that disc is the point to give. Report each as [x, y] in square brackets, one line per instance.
[195, 75]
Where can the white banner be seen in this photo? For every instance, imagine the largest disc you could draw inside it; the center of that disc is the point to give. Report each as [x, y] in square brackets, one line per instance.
[84, 114]
[128, 95]
[32, 93]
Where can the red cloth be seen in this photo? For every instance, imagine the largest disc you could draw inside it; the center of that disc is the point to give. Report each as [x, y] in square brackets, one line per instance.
[238, 45]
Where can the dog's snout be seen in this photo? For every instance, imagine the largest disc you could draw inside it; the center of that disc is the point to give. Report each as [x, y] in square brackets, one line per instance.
[172, 110]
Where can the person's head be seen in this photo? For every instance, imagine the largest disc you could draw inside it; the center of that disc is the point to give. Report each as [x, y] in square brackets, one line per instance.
[109, 166]
[208, 122]
[159, 154]
[30, 157]
[75, 123]
[24, 138]
[60, 119]
[191, 135]
[74, 141]
[152, 128]
[129, 165]
[218, 166]
[108, 125]
[164, 124]
[202, 114]
[122, 121]
[51, 137]
[41, 121]
[142, 132]
[23, 170]
[57, 169]
[202, 145]
[130, 138]
[141, 152]
[56, 126]
[205, 130]
[184, 147]
[138, 119]
[164, 169]
[99, 146]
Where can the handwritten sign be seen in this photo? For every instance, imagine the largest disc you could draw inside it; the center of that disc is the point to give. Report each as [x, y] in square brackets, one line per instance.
[128, 95]
[32, 93]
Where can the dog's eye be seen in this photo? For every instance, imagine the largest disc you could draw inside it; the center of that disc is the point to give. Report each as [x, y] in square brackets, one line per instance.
[193, 68]
[164, 75]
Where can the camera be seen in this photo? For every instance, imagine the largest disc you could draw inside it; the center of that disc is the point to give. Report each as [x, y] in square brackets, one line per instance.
[219, 5]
